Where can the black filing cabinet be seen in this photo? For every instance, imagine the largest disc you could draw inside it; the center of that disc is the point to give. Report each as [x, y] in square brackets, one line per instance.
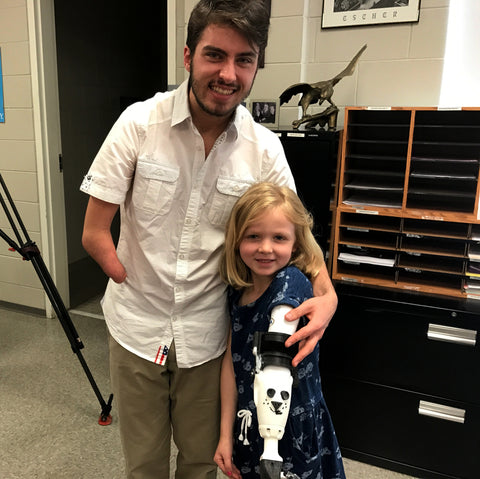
[312, 156]
[401, 377]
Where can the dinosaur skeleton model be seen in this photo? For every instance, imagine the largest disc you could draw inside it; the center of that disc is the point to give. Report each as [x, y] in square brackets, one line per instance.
[272, 389]
[319, 92]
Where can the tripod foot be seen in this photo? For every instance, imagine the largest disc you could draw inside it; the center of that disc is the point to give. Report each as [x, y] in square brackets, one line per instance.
[105, 420]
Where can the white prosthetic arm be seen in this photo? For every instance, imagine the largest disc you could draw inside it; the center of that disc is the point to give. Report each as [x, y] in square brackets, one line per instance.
[272, 388]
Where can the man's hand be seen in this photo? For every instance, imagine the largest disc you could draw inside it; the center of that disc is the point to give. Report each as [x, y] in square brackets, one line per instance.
[319, 311]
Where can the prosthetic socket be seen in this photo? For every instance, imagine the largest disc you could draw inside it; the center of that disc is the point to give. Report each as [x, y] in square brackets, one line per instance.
[272, 388]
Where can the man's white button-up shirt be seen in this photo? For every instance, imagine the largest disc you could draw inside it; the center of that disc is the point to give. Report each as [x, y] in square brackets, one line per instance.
[174, 206]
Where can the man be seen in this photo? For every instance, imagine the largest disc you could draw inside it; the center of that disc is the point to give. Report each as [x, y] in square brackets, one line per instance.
[175, 164]
[271, 114]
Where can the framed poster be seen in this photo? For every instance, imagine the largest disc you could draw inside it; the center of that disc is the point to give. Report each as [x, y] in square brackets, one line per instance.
[353, 13]
[265, 111]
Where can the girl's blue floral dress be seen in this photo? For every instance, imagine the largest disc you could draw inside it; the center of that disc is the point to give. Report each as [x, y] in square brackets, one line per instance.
[309, 447]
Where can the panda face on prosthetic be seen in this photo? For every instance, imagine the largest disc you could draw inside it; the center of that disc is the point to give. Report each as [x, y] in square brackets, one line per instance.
[277, 400]
[272, 394]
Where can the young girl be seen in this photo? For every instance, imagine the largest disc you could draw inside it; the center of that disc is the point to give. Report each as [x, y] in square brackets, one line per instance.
[269, 258]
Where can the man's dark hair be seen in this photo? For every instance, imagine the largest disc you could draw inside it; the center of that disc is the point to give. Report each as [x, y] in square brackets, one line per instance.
[251, 18]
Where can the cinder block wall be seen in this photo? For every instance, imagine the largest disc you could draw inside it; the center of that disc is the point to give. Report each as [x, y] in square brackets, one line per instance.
[18, 281]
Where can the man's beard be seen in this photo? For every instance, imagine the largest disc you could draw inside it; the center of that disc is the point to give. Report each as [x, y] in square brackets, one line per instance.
[203, 106]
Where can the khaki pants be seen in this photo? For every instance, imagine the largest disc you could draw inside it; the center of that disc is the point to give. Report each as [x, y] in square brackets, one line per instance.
[153, 401]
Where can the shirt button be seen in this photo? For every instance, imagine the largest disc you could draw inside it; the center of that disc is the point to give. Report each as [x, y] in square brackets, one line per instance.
[182, 256]
[174, 318]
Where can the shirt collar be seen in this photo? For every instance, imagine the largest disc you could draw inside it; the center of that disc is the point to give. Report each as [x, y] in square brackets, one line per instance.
[181, 110]
[237, 120]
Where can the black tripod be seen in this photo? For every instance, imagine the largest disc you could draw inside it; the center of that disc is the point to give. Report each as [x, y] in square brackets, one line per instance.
[29, 251]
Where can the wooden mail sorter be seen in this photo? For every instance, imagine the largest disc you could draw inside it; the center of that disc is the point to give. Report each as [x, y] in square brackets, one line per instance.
[407, 214]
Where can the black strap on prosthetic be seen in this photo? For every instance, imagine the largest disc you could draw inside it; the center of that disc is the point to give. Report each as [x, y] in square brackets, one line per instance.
[272, 351]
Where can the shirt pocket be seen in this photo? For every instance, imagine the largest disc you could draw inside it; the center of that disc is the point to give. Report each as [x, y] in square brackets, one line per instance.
[154, 187]
[227, 192]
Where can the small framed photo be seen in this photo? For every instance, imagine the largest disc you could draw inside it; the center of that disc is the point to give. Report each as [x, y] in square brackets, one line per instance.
[266, 112]
[353, 13]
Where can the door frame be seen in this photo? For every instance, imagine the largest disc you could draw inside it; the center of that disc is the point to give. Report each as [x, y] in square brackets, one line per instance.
[46, 120]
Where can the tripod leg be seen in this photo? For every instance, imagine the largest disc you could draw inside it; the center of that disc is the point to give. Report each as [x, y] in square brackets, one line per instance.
[30, 252]
[70, 331]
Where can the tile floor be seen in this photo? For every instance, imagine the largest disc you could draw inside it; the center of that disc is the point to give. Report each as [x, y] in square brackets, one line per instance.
[48, 410]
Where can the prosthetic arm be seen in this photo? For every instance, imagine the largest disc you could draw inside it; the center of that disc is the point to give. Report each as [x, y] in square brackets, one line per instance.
[272, 388]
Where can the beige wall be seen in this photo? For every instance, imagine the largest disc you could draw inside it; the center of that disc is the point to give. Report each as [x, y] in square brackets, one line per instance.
[18, 162]
[401, 66]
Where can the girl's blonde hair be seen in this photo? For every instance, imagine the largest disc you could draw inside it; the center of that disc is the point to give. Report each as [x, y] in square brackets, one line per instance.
[261, 197]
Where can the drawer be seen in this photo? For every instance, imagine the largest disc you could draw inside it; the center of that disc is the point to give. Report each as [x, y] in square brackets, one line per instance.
[429, 350]
[414, 430]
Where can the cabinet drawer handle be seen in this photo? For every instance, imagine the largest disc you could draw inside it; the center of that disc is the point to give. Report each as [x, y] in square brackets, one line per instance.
[440, 411]
[439, 332]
